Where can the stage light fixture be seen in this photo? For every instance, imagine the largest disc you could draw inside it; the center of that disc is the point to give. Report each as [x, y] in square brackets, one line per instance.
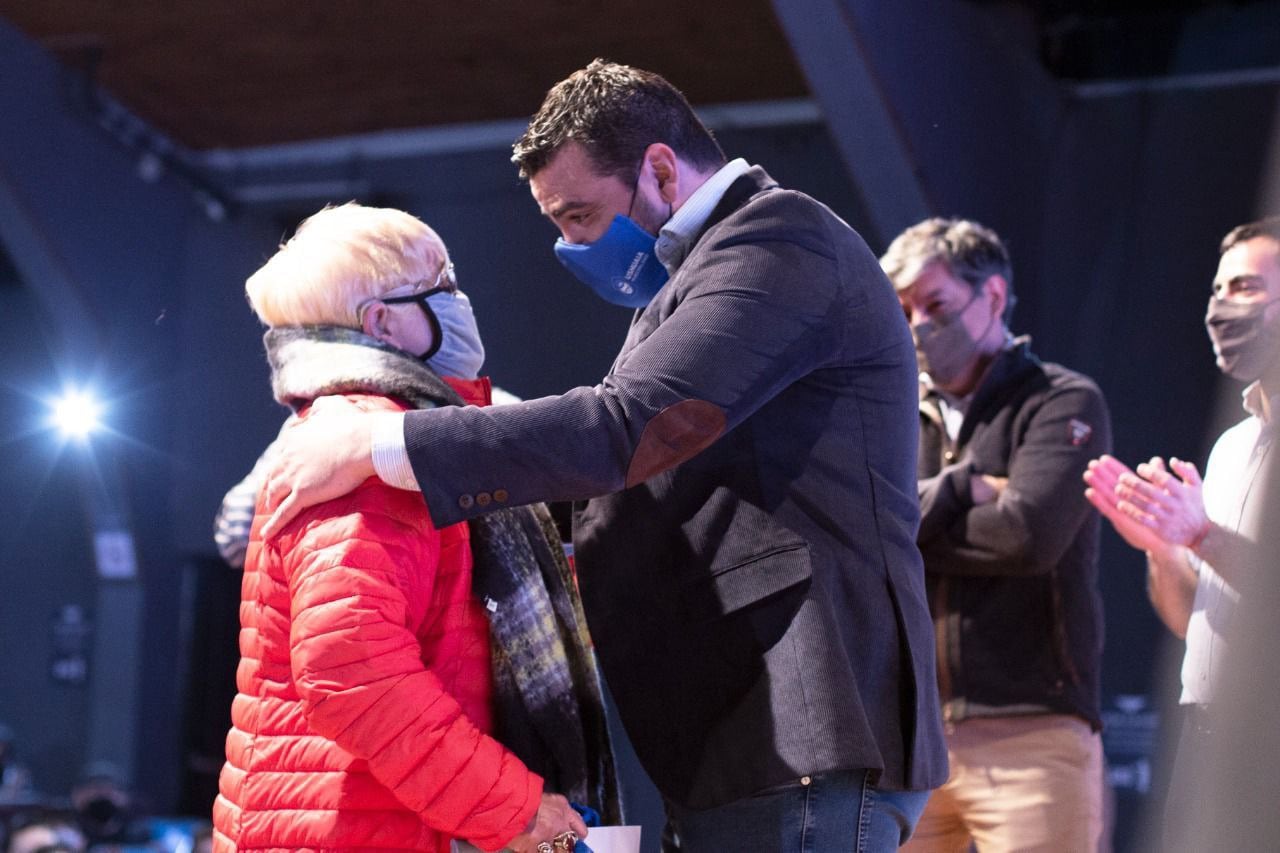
[77, 414]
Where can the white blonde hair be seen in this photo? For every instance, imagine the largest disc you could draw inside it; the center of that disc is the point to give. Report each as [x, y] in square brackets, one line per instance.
[339, 258]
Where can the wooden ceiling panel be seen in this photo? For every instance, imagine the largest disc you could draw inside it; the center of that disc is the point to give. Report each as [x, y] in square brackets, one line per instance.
[239, 74]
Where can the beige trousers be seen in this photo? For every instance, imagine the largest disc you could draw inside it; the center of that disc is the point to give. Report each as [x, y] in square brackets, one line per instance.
[1027, 783]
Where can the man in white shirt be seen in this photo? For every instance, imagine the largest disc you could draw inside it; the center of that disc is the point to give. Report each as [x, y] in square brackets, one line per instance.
[1200, 538]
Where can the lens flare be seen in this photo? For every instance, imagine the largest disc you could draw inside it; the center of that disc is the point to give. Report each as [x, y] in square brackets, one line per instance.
[77, 414]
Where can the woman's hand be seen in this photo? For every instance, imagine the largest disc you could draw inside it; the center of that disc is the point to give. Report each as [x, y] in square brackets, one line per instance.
[553, 819]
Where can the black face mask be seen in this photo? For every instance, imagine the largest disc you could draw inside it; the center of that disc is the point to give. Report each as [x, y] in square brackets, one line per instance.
[1247, 346]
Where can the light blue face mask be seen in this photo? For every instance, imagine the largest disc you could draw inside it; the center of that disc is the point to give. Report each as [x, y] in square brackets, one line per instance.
[621, 267]
[456, 349]
[460, 352]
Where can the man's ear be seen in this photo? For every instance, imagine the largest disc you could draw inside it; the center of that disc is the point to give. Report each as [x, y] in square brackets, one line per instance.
[374, 323]
[998, 287]
[666, 168]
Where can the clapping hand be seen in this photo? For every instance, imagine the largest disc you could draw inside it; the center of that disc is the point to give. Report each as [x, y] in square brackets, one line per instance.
[1153, 508]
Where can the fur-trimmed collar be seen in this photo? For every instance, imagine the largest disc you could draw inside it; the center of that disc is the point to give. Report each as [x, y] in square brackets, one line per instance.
[312, 361]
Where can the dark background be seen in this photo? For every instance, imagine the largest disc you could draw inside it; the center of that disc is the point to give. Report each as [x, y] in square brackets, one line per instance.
[153, 154]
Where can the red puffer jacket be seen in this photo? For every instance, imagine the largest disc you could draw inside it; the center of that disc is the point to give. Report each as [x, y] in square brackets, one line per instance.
[364, 688]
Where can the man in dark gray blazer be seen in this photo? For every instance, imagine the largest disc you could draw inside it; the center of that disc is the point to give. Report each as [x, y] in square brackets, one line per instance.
[747, 556]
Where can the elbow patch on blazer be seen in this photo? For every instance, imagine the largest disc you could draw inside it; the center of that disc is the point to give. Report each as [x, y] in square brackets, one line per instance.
[674, 435]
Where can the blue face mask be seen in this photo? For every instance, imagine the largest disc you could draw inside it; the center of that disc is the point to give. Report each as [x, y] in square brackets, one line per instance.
[620, 267]
[459, 351]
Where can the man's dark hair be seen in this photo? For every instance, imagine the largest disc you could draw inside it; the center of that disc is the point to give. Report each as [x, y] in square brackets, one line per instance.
[615, 112]
[1267, 227]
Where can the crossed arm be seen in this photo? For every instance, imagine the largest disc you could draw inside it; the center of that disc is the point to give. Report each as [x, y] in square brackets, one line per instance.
[978, 524]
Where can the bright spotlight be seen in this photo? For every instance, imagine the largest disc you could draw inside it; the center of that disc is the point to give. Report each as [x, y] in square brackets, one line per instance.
[76, 414]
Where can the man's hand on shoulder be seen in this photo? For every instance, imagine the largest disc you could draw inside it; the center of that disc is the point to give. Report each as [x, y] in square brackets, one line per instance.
[321, 457]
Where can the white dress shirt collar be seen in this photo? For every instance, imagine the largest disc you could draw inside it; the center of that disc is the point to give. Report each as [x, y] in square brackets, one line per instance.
[675, 239]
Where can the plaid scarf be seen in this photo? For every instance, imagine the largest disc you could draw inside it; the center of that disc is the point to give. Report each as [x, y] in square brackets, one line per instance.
[547, 700]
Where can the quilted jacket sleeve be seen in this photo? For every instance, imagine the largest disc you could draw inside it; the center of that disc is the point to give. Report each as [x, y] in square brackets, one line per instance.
[357, 585]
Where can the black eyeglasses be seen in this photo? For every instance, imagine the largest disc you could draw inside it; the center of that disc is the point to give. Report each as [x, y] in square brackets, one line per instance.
[449, 285]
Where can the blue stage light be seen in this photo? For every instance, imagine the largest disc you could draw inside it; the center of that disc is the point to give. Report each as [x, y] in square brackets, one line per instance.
[77, 414]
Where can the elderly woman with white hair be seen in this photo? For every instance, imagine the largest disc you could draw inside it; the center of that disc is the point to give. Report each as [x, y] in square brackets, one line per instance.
[400, 686]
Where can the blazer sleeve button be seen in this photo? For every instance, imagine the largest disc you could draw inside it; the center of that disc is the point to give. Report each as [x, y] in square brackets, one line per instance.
[500, 495]
[483, 498]
[466, 501]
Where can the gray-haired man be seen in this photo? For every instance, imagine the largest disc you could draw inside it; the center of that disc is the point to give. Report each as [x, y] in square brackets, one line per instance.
[1010, 551]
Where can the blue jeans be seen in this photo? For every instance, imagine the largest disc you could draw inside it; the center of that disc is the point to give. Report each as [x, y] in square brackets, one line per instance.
[840, 811]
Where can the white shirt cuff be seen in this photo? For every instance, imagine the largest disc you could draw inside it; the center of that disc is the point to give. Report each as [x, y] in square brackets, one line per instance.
[390, 458]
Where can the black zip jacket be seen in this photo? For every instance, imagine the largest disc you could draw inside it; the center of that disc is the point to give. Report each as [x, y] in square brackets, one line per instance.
[1013, 583]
